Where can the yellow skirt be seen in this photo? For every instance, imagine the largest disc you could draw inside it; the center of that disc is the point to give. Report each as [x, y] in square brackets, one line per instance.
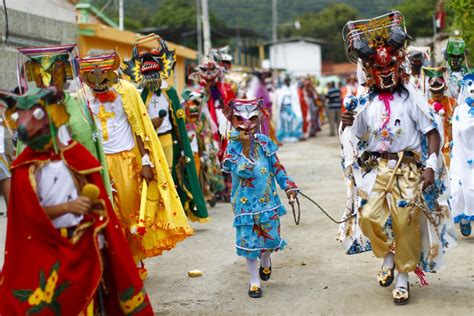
[165, 227]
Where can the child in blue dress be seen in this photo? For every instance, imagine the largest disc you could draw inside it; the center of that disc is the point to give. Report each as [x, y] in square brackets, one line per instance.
[254, 167]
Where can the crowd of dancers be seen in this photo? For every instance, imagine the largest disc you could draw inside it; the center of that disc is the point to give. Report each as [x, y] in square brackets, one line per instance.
[111, 163]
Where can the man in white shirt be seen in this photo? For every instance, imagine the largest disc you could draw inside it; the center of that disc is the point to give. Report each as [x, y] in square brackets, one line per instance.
[391, 120]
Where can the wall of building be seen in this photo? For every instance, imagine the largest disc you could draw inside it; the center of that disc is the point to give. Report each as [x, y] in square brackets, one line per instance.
[47, 22]
[299, 58]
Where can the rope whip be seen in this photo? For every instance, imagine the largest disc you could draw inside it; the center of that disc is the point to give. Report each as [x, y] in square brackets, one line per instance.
[297, 211]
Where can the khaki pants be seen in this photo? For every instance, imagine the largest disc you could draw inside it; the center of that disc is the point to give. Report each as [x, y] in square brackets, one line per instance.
[334, 117]
[381, 205]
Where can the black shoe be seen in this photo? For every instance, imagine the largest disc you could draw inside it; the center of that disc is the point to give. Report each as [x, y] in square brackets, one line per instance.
[401, 295]
[465, 228]
[265, 273]
[255, 291]
[386, 276]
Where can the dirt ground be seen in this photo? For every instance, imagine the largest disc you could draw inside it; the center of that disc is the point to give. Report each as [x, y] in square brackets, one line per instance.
[312, 275]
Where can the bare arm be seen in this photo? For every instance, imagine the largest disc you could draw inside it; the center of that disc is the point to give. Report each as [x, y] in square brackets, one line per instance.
[147, 172]
[79, 206]
[434, 143]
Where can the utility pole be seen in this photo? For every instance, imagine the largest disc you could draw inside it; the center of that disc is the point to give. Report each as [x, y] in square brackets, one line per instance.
[199, 29]
[274, 21]
[206, 27]
[121, 14]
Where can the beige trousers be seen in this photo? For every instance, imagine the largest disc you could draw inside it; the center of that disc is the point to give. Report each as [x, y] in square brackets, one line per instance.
[381, 204]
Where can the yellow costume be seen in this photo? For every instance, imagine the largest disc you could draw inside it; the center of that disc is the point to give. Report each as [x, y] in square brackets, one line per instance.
[165, 221]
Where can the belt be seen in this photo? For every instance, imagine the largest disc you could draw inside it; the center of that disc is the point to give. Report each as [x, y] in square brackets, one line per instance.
[408, 157]
[165, 133]
[67, 232]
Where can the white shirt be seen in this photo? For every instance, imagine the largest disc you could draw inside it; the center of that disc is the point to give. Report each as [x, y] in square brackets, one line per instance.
[158, 103]
[120, 135]
[55, 186]
[408, 118]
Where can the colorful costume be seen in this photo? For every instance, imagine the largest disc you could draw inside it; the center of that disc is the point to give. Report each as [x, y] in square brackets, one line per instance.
[456, 63]
[124, 123]
[290, 120]
[162, 102]
[53, 66]
[419, 57]
[384, 154]
[462, 166]
[443, 106]
[203, 145]
[254, 168]
[72, 264]
[216, 97]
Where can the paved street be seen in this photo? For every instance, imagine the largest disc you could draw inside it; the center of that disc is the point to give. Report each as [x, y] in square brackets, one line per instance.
[312, 275]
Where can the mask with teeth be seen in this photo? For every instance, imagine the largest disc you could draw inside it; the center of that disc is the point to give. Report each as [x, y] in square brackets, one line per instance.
[455, 53]
[379, 43]
[152, 62]
[384, 67]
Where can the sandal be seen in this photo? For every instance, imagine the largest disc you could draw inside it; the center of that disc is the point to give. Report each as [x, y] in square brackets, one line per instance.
[401, 295]
[255, 291]
[465, 228]
[265, 272]
[386, 276]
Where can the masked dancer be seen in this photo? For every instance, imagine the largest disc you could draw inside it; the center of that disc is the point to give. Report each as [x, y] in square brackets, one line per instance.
[394, 152]
[65, 252]
[254, 167]
[136, 161]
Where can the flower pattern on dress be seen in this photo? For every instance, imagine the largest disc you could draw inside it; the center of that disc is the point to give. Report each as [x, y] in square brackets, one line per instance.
[131, 302]
[255, 202]
[46, 294]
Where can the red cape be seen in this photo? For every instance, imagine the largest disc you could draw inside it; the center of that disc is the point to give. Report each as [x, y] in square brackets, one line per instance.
[47, 274]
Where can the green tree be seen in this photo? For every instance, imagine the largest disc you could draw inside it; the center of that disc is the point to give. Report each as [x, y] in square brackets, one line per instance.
[418, 16]
[325, 25]
[461, 10]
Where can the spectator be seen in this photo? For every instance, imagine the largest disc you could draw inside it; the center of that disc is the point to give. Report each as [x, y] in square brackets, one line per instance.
[333, 105]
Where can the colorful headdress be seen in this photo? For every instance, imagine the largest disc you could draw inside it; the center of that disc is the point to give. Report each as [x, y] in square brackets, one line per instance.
[467, 90]
[208, 71]
[99, 72]
[37, 115]
[46, 66]
[151, 62]
[192, 104]
[455, 52]
[419, 56]
[221, 54]
[244, 114]
[435, 78]
[379, 43]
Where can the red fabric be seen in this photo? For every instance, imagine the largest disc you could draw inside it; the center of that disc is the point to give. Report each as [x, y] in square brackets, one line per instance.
[108, 96]
[34, 248]
[304, 110]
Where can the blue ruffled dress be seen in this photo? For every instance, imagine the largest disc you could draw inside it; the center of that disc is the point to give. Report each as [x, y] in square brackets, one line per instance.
[255, 202]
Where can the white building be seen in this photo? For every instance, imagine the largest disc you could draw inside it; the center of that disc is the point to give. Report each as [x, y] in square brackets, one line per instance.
[299, 56]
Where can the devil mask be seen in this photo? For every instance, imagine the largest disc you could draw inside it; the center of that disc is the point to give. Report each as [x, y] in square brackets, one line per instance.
[455, 53]
[152, 61]
[435, 79]
[192, 105]
[37, 115]
[245, 114]
[47, 66]
[208, 71]
[98, 72]
[379, 43]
